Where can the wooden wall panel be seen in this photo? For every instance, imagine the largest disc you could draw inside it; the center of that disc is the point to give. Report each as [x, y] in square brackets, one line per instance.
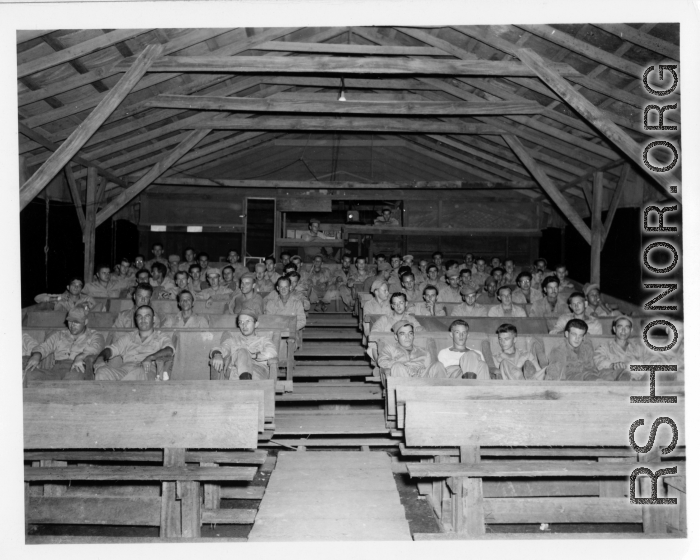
[197, 209]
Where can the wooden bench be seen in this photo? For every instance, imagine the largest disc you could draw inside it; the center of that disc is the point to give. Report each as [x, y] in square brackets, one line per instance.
[96, 423]
[514, 422]
[166, 306]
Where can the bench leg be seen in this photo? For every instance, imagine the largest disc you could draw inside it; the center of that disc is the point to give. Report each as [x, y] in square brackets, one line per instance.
[212, 492]
[170, 524]
[54, 490]
[191, 509]
[471, 501]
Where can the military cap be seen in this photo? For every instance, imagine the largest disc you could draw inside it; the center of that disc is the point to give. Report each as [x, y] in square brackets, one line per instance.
[77, 315]
[376, 285]
[174, 258]
[399, 324]
[250, 313]
[469, 289]
[213, 272]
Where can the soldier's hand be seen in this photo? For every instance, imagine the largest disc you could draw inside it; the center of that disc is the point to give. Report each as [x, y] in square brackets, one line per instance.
[209, 302]
[78, 365]
[32, 363]
[217, 362]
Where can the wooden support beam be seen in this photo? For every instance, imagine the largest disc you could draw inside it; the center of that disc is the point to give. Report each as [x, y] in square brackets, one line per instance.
[75, 195]
[341, 65]
[334, 48]
[76, 51]
[627, 33]
[354, 124]
[594, 116]
[156, 171]
[41, 139]
[87, 128]
[549, 187]
[615, 202]
[28, 35]
[89, 229]
[206, 103]
[596, 227]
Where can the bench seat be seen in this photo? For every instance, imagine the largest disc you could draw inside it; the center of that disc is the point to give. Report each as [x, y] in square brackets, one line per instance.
[220, 474]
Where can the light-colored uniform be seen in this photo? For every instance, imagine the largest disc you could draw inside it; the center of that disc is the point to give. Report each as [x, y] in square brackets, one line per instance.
[448, 294]
[66, 302]
[194, 321]
[385, 322]
[594, 326]
[479, 278]
[464, 310]
[636, 352]
[263, 285]
[165, 285]
[65, 348]
[499, 311]
[421, 309]
[194, 287]
[320, 281]
[485, 299]
[520, 298]
[600, 311]
[458, 363]
[542, 308]
[339, 288]
[222, 293]
[28, 344]
[511, 365]
[97, 290]
[293, 307]
[241, 349]
[239, 302]
[300, 293]
[574, 364]
[404, 363]
[133, 351]
[125, 319]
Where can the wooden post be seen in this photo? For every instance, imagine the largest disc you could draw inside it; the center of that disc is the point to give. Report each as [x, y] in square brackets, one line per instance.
[191, 509]
[170, 525]
[615, 202]
[596, 227]
[89, 231]
[75, 195]
[212, 492]
[88, 127]
[473, 522]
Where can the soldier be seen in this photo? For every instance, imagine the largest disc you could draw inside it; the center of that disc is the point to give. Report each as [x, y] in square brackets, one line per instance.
[195, 280]
[596, 307]
[509, 276]
[383, 273]
[186, 318]
[618, 354]
[125, 274]
[248, 298]
[70, 298]
[469, 262]
[142, 296]
[437, 261]
[506, 308]
[320, 279]
[573, 358]
[228, 278]
[460, 361]
[429, 305]
[525, 293]
[173, 266]
[564, 283]
[159, 280]
[285, 304]
[157, 251]
[239, 269]
[515, 363]
[498, 273]
[399, 312]
[250, 353]
[285, 259]
[432, 279]
[541, 266]
[358, 277]
[551, 305]
[105, 286]
[385, 220]
[577, 303]
[216, 292]
[408, 287]
[450, 293]
[298, 291]
[262, 284]
[315, 235]
[271, 274]
[403, 359]
[480, 275]
[422, 273]
[488, 294]
[203, 261]
[189, 260]
[469, 307]
[379, 304]
[69, 348]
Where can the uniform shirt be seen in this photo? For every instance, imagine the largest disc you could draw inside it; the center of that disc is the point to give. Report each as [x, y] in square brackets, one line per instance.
[358, 278]
[166, 284]
[464, 310]
[428, 282]
[541, 308]
[479, 277]
[486, 299]
[610, 353]
[125, 319]
[292, 307]
[448, 294]
[340, 277]
[575, 364]
[417, 360]
[520, 298]
[511, 365]
[263, 285]
[594, 326]
[238, 303]
[300, 293]
[64, 346]
[193, 286]
[28, 344]
[380, 221]
[125, 281]
[374, 307]
[222, 293]
[194, 321]
[599, 311]
[134, 350]
[300, 296]
[515, 311]
[66, 303]
[95, 289]
[272, 277]
[252, 343]
[421, 309]
[320, 279]
[385, 322]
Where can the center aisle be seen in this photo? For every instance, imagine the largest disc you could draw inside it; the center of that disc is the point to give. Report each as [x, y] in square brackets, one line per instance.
[331, 495]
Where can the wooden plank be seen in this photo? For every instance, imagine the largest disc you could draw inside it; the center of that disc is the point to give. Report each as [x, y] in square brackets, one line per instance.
[211, 103]
[628, 33]
[41, 139]
[549, 187]
[596, 227]
[90, 226]
[242, 493]
[88, 127]
[356, 124]
[35, 474]
[615, 202]
[539, 536]
[369, 230]
[342, 65]
[561, 510]
[138, 425]
[76, 51]
[32, 539]
[170, 507]
[595, 117]
[191, 509]
[75, 195]
[519, 423]
[28, 35]
[229, 516]
[333, 48]
[95, 511]
[330, 422]
[118, 202]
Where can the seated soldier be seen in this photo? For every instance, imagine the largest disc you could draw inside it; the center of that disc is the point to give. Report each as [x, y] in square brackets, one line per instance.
[249, 352]
[285, 303]
[70, 298]
[296, 261]
[270, 273]
[297, 290]
[506, 308]
[395, 280]
[216, 292]
[537, 277]
[421, 273]
[379, 304]
[69, 347]
[488, 294]
[203, 261]
[186, 318]
[541, 266]
[142, 277]
[319, 280]
[125, 275]
[469, 307]
[429, 305]
[157, 250]
[105, 286]
[465, 277]
[140, 263]
[551, 305]
[248, 298]
[239, 269]
[173, 266]
[564, 283]
[573, 359]
[619, 353]
[460, 361]
[509, 275]
[525, 293]
[469, 262]
[338, 287]
[182, 281]
[403, 359]
[437, 261]
[431, 278]
[142, 296]
[189, 260]
[515, 363]
[577, 303]
[395, 262]
[398, 313]
[596, 307]
[358, 277]
[451, 266]
[498, 273]
[450, 293]
[139, 351]
[228, 278]
[385, 220]
[494, 263]
[408, 287]
[262, 284]
[195, 281]
[285, 259]
[480, 275]
[159, 279]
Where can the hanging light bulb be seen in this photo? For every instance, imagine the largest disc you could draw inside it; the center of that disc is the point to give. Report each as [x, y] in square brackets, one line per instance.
[341, 97]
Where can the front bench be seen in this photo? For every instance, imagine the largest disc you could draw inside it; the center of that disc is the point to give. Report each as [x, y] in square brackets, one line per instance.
[171, 423]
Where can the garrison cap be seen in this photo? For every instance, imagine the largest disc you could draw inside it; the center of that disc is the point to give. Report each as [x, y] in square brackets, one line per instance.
[399, 324]
[174, 258]
[314, 221]
[248, 275]
[590, 287]
[619, 317]
[77, 315]
[377, 284]
[213, 272]
[250, 313]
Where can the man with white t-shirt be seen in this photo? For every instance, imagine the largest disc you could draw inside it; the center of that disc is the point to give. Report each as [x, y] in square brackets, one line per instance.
[460, 361]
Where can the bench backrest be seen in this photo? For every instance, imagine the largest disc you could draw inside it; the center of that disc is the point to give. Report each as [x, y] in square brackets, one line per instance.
[538, 414]
[166, 306]
[130, 415]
